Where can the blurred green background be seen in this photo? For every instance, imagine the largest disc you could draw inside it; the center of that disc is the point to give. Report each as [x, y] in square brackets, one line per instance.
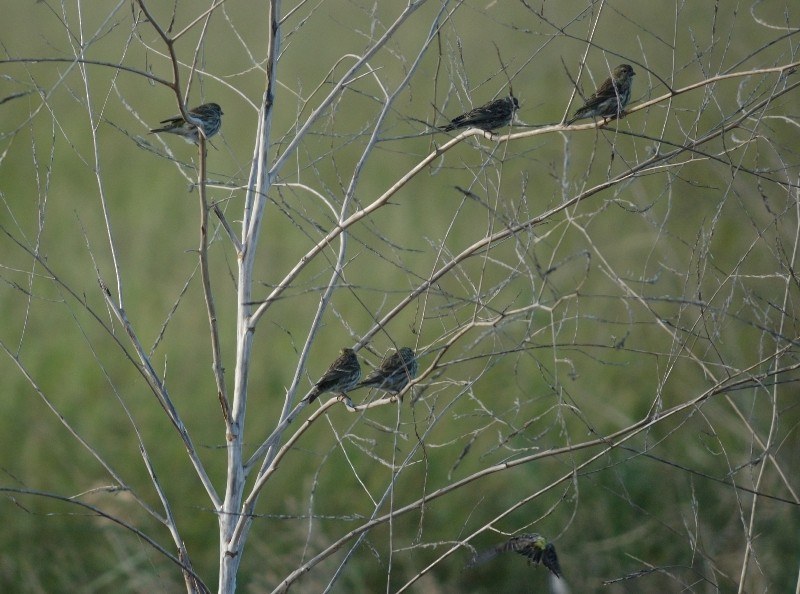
[647, 294]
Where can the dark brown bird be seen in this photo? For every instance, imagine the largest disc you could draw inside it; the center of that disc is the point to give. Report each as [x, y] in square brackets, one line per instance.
[209, 115]
[493, 115]
[610, 98]
[533, 546]
[342, 375]
[394, 372]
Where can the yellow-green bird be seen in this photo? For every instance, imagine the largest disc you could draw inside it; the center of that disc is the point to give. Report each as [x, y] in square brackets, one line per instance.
[533, 546]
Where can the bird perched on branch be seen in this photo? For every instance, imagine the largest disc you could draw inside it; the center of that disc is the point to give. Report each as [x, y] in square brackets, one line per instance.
[533, 546]
[394, 372]
[209, 115]
[488, 117]
[342, 375]
[610, 98]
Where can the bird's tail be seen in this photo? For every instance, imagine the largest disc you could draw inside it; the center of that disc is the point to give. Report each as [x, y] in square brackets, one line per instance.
[312, 395]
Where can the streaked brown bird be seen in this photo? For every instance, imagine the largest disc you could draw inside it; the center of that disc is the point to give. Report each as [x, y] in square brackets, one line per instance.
[488, 117]
[610, 98]
[533, 546]
[209, 115]
[342, 375]
[394, 372]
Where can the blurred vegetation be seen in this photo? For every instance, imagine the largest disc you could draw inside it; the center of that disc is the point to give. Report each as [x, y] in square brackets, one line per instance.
[709, 247]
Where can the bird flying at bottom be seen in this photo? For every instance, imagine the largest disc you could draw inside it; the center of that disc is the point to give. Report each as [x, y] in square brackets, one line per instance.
[533, 546]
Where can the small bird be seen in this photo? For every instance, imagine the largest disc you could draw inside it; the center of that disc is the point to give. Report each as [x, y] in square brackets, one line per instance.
[610, 98]
[394, 372]
[495, 114]
[533, 546]
[210, 116]
[342, 375]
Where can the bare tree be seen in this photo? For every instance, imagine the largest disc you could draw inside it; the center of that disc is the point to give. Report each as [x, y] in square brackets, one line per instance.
[586, 331]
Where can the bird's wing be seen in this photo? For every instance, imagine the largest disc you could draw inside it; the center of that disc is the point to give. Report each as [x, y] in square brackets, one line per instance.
[485, 556]
[550, 560]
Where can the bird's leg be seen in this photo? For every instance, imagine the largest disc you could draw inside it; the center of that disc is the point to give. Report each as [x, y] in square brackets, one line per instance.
[346, 399]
